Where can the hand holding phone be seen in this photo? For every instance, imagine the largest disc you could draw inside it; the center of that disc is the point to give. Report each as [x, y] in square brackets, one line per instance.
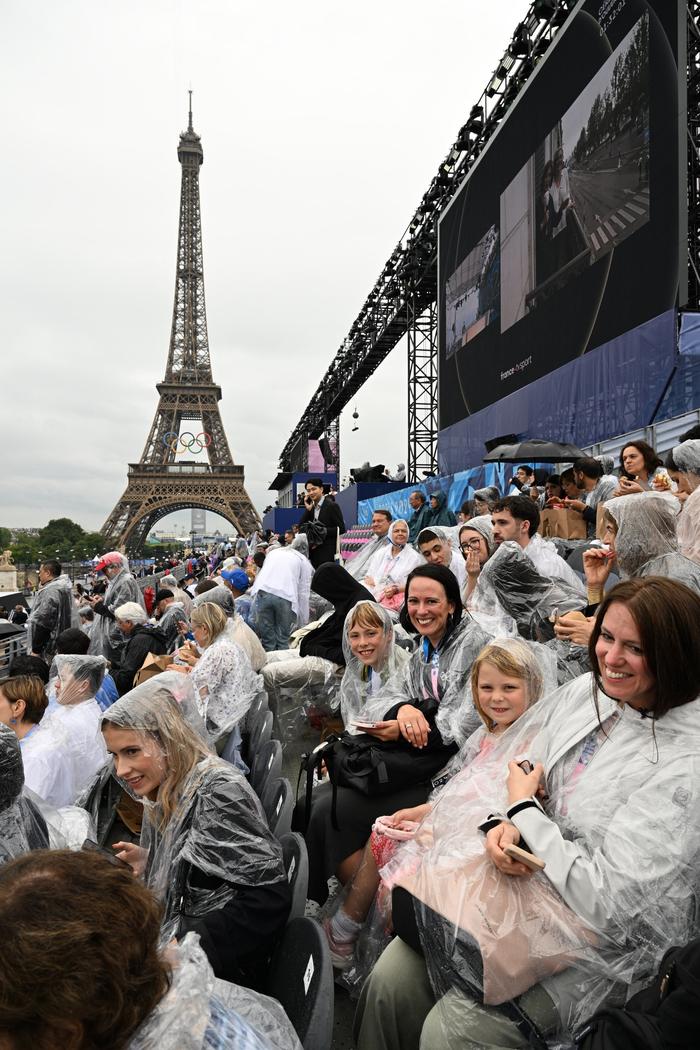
[522, 855]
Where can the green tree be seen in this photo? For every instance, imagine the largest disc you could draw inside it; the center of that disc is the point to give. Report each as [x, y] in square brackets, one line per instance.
[25, 551]
[5, 538]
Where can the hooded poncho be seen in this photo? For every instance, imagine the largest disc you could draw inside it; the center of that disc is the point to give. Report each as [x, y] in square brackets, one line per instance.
[105, 638]
[646, 543]
[217, 826]
[53, 611]
[21, 826]
[362, 687]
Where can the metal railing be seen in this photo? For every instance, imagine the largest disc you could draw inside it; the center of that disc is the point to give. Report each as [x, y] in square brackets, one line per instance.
[10, 647]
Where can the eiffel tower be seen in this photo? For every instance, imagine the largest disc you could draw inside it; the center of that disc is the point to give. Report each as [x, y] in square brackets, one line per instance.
[160, 482]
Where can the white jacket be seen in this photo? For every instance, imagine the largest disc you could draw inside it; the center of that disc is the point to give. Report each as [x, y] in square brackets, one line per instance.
[620, 837]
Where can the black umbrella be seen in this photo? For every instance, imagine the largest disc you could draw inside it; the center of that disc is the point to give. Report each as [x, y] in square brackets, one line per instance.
[535, 450]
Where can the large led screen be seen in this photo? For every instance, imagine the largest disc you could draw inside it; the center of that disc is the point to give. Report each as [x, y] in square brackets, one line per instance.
[565, 234]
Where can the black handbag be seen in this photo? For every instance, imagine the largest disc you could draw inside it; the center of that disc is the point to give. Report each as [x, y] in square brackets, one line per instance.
[372, 767]
[662, 1016]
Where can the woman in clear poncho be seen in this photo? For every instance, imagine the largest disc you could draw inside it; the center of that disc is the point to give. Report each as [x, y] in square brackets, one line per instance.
[238, 629]
[612, 808]
[206, 851]
[105, 637]
[22, 828]
[388, 569]
[641, 537]
[686, 461]
[224, 681]
[101, 979]
[425, 711]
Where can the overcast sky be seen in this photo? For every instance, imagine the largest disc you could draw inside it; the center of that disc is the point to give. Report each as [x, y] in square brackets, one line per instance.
[322, 125]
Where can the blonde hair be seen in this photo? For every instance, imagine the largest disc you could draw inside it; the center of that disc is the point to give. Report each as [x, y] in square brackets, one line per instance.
[210, 616]
[159, 719]
[365, 615]
[514, 658]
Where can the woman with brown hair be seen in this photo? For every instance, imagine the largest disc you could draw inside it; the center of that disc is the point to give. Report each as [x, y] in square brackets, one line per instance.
[81, 968]
[640, 466]
[206, 851]
[611, 811]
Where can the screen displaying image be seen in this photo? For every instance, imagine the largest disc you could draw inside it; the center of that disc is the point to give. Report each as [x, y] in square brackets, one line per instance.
[585, 188]
[473, 293]
[573, 210]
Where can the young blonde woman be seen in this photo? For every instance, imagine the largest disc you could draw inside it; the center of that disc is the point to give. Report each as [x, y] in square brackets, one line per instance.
[206, 851]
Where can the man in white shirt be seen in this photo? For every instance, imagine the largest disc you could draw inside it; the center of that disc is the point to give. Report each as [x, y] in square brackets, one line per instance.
[357, 566]
[518, 518]
[281, 590]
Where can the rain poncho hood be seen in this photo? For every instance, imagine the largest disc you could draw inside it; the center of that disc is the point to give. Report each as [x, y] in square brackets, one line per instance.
[21, 826]
[510, 584]
[481, 524]
[53, 609]
[219, 595]
[225, 683]
[440, 515]
[620, 836]
[359, 565]
[337, 586]
[79, 677]
[646, 543]
[361, 689]
[489, 494]
[687, 459]
[217, 826]
[105, 638]
[199, 1012]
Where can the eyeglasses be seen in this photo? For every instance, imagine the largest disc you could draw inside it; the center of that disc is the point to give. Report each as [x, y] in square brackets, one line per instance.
[470, 545]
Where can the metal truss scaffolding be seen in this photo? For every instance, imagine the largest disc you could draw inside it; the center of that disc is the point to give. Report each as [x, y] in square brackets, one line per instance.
[407, 286]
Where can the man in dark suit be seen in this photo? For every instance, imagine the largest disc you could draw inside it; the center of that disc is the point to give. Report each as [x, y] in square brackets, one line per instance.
[326, 511]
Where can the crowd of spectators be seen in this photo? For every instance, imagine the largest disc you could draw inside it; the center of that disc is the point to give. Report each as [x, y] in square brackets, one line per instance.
[503, 820]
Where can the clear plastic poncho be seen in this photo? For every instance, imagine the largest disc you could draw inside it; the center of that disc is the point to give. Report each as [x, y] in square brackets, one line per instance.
[169, 623]
[445, 672]
[361, 693]
[618, 830]
[54, 610]
[199, 1012]
[21, 826]
[219, 595]
[225, 684]
[511, 587]
[687, 459]
[358, 566]
[105, 638]
[481, 524]
[646, 543]
[449, 537]
[71, 727]
[387, 569]
[217, 826]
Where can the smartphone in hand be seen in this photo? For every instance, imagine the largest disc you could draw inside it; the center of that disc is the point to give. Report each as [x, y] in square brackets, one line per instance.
[528, 859]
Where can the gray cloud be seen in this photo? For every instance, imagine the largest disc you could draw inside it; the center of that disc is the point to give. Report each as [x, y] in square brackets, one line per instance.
[321, 124]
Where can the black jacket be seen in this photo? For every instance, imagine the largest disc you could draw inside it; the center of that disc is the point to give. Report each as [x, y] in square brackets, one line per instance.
[143, 640]
[331, 516]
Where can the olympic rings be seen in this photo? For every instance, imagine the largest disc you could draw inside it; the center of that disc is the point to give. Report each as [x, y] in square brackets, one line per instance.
[195, 443]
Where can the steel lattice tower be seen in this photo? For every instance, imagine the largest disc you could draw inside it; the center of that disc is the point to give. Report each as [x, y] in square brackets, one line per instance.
[159, 483]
